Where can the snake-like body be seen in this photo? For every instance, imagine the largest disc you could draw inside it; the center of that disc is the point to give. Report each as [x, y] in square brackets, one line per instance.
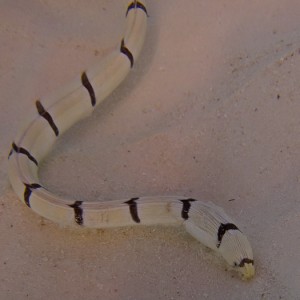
[55, 114]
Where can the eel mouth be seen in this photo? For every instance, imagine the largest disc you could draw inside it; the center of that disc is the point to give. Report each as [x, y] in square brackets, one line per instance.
[247, 268]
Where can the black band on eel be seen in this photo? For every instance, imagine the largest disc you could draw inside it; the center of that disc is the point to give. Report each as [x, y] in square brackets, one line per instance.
[86, 83]
[28, 190]
[136, 4]
[133, 209]
[78, 212]
[222, 230]
[43, 113]
[126, 51]
[186, 205]
[21, 150]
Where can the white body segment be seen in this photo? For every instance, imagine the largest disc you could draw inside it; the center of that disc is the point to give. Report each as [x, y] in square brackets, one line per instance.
[55, 114]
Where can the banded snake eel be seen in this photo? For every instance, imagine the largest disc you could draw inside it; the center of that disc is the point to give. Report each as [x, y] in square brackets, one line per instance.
[54, 115]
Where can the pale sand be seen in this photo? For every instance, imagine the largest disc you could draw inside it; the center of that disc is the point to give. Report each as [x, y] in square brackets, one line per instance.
[211, 111]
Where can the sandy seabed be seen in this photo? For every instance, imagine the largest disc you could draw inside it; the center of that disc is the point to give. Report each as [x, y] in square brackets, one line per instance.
[210, 111]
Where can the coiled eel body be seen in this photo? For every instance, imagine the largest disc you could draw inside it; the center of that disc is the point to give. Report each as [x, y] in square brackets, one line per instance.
[55, 114]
